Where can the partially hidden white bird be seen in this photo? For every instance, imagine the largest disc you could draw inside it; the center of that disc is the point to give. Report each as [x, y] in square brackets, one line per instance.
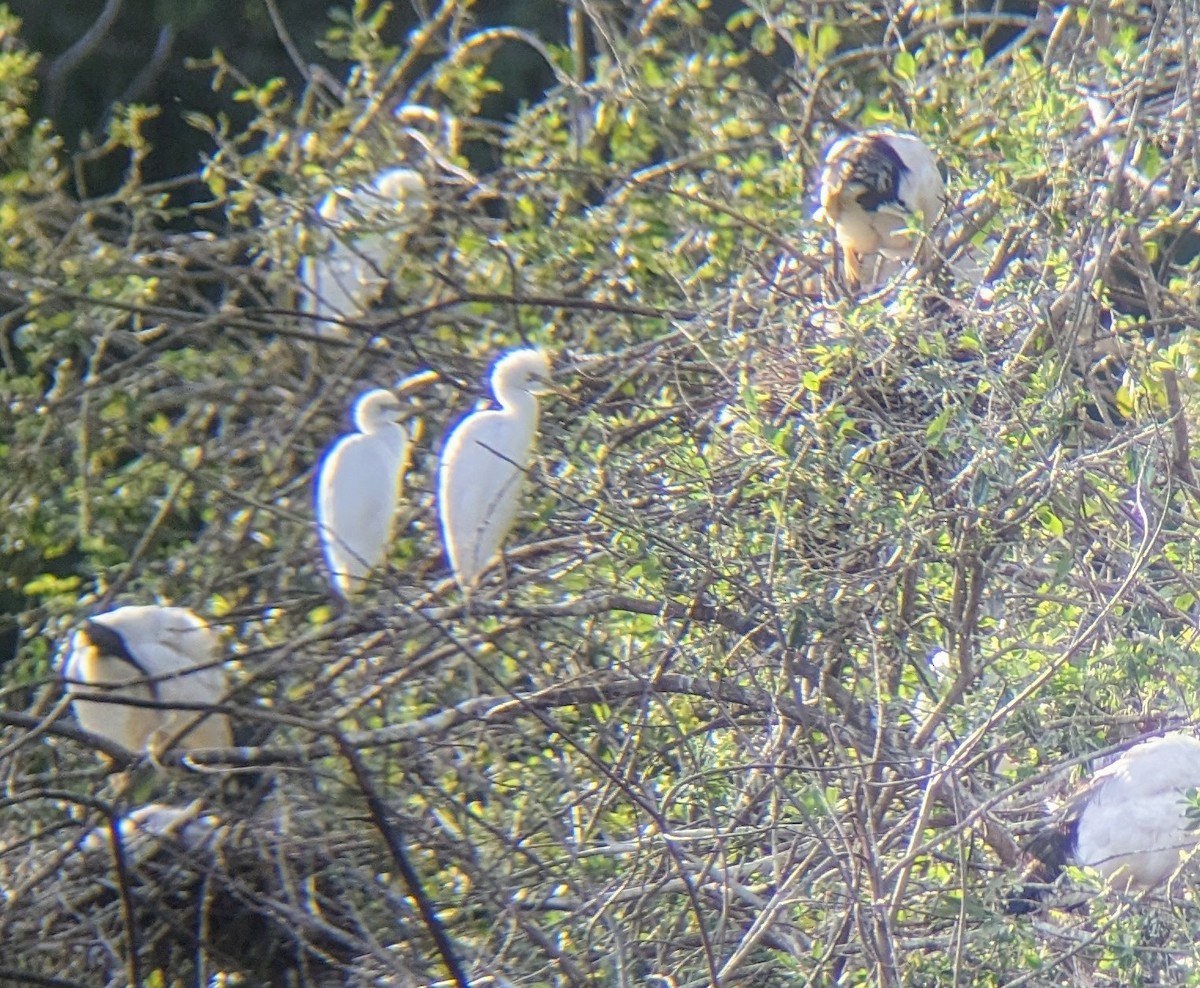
[873, 187]
[1129, 822]
[143, 829]
[358, 485]
[160, 655]
[367, 226]
[483, 465]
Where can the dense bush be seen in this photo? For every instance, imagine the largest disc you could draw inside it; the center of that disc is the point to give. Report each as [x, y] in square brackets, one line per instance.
[691, 734]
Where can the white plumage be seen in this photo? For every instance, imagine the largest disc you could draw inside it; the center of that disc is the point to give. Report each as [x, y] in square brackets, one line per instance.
[143, 829]
[871, 188]
[163, 655]
[483, 465]
[367, 225]
[1129, 822]
[358, 487]
[1132, 825]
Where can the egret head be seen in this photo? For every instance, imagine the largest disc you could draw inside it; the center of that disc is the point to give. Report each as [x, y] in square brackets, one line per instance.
[522, 370]
[377, 408]
[416, 382]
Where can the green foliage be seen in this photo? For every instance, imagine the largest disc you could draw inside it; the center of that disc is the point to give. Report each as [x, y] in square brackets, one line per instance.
[691, 733]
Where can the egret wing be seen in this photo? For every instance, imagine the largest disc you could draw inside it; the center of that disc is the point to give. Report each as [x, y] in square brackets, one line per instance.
[357, 492]
[479, 489]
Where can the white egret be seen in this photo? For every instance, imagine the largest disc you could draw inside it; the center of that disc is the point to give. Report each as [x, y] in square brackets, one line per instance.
[483, 464]
[367, 225]
[160, 655]
[358, 486]
[872, 185]
[1129, 822]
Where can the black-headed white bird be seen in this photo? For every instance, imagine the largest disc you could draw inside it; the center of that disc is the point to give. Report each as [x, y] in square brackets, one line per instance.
[1129, 822]
[872, 188]
[163, 656]
[483, 466]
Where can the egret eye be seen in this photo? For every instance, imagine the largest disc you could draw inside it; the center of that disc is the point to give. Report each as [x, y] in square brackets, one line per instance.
[159, 656]
[483, 464]
[358, 487]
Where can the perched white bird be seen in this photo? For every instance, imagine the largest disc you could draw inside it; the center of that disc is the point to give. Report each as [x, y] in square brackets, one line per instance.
[1129, 822]
[483, 465]
[358, 486]
[161, 655]
[367, 225]
[872, 185]
[141, 830]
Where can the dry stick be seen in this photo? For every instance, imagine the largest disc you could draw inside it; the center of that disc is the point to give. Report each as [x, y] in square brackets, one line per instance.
[520, 704]
[412, 880]
[482, 709]
[289, 45]
[39, 980]
[464, 298]
[62, 66]
[123, 889]
[417, 41]
[37, 726]
[147, 537]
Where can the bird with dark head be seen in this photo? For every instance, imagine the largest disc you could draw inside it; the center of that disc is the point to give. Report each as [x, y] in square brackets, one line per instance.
[1129, 822]
[873, 186]
[160, 657]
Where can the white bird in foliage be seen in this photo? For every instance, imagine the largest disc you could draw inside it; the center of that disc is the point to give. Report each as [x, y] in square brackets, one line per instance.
[873, 185]
[367, 224]
[164, 656]
[142, 830]
[483, 466]
[359, 482]
[1129, 822]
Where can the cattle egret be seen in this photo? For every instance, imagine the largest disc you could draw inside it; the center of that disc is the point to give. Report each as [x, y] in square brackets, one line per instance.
[1129, 822]
[367, 225]
[872, 186]
[483, 464]
[358, 486]
[161, 655]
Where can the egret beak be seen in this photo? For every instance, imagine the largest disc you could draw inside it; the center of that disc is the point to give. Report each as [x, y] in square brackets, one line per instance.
[416, 382]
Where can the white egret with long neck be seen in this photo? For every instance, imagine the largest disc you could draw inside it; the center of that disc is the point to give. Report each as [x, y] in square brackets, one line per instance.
[359, 482]
[483, 466]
